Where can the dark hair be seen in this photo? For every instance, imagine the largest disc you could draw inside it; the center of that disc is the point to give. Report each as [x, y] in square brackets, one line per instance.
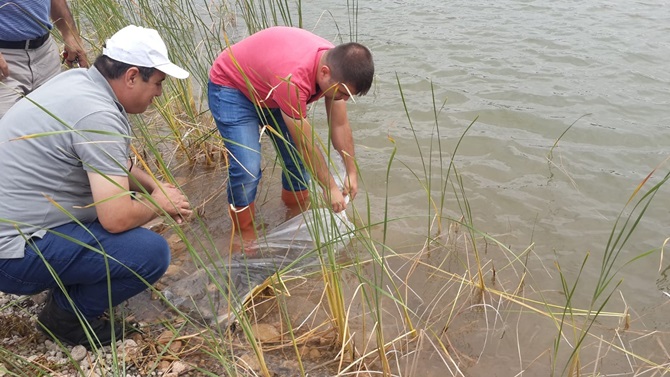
[113, 69]
[351, 63]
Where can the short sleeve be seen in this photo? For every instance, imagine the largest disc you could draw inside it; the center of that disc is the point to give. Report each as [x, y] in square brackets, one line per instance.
[101, 141]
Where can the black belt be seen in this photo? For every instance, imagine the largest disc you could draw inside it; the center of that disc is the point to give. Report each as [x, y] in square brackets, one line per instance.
[29, 44]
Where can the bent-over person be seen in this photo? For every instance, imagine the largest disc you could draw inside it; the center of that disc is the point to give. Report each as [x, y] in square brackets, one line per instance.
[269, 78]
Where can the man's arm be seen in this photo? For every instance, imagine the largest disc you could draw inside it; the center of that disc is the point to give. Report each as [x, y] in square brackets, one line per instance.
[118, 212]
[301, 133]
[343, 142]
[74, 48]
[140, 180]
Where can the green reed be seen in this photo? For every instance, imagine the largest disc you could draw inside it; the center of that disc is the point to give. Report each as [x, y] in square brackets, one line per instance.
[475, 279]
[624, 226]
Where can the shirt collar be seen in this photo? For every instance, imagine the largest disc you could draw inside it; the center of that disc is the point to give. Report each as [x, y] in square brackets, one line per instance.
[102, 82]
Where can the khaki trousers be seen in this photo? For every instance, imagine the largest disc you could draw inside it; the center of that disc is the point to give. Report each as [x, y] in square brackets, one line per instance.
[28, 69]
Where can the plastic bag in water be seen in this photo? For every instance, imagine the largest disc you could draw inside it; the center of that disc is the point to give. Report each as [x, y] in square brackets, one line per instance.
[215, 294]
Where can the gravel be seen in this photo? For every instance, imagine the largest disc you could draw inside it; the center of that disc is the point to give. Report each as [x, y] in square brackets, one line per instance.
[24, 348]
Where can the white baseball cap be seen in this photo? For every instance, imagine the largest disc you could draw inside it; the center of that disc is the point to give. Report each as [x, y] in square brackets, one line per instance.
[142, 47]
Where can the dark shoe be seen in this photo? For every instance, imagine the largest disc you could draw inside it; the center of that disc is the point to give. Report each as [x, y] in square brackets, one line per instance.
[67, 327]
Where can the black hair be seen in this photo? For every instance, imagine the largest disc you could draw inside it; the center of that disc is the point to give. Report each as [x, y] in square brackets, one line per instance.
[351, 63]
[113, 69]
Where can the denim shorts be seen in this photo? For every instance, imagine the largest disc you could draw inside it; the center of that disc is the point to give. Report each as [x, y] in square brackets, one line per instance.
[239, 123]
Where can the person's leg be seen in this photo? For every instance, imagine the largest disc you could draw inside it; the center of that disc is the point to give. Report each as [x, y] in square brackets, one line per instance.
[131, 261]
[45, 63]
[295, 176]
[238, 123]
[93, 267]
[18, 81]
[28, 69]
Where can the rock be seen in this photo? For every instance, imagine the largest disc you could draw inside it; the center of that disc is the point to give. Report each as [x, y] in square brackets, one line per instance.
[173, 238]
[165, 337]
[78, 353]
[250, 361]
[129, 350]
[172, 270]
[175, 346]
[128, 343]
[51, 346]
[314, 354]
[163, 366]
[137, 337]
[180, 367]
[265, 332]
[159, 286]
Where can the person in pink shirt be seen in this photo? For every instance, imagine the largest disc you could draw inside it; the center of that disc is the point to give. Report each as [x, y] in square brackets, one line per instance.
[268, 79]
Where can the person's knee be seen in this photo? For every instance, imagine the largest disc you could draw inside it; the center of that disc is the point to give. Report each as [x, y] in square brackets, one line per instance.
[241, 194]
[161, 260]
[155, 254]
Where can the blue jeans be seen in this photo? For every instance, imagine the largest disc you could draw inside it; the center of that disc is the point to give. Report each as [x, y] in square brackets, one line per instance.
[130, 257]
[239, 122]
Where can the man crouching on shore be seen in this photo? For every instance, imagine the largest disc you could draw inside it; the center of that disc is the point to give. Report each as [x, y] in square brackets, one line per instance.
[68, 221]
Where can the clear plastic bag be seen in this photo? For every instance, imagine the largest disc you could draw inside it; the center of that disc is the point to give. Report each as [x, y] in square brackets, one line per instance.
[215, 294]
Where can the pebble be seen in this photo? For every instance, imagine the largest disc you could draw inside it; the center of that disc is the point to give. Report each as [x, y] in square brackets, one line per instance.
[51, 346]
[65, 358]
[180, 367]
[175, 346]
[172, 270]
[165, 337]
[129, 349]
[314, 354]
[164, 365]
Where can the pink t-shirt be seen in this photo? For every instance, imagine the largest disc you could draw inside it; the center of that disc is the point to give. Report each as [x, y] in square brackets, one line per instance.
[280, 64]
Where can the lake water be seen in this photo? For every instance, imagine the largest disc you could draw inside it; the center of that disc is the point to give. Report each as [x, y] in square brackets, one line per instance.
[523, 71]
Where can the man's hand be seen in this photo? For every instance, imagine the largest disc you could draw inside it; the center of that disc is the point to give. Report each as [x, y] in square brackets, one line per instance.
[118, 213]
[4, 68]
[172, 201]
[74, 48]
[350, 186]
[336, 197]
[74, 53]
